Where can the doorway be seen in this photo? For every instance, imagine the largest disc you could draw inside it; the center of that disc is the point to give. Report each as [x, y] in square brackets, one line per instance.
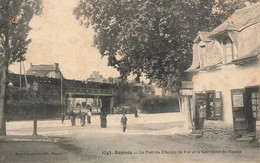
[253, 109]
[246, 110]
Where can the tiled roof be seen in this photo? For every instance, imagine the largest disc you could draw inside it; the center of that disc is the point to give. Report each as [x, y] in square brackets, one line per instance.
[42, 67]
[239, 20]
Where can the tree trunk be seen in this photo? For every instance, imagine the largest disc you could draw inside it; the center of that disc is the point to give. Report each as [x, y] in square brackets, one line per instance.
[3, 79]
[3, 84]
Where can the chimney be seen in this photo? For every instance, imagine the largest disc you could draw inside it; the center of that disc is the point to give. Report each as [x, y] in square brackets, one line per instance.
[56, 66]
[31, 64]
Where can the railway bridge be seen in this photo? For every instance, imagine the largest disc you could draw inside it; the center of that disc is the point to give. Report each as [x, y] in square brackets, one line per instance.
[55, 93]
[95, 90]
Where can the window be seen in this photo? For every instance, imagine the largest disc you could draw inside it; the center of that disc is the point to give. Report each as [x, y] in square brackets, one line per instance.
[255, 105]
[202, 52]
[212, 102]
[229, 50]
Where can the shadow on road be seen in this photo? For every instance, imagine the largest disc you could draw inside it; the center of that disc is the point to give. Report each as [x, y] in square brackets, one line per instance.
[156, 126]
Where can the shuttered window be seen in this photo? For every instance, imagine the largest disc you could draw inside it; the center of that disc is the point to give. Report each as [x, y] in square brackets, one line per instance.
[214, 105]
[218, 108]
[255, 105]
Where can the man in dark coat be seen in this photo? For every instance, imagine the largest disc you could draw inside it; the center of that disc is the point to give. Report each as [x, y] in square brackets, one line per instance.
[124, 122]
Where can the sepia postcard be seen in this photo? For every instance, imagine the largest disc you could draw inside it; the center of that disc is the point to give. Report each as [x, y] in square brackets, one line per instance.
[129, 81]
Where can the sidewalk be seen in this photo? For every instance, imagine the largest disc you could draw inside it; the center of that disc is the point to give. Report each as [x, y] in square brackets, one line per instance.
[27, 138]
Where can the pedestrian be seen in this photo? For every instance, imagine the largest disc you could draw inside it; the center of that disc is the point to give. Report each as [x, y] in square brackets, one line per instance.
[72, 118]
[124, 121]
[103, 119]
[136, 113]
[79, 112]
[83, 119]
[89, 114]
[62, 117]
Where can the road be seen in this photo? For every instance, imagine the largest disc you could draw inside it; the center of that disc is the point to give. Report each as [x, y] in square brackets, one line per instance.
[149, 138]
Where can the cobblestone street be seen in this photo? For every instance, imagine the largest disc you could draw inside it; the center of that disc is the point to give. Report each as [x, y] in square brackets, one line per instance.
[150, 138]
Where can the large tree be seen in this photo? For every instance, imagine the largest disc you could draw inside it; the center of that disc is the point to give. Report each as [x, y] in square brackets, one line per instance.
[15, 16]
[152, 37]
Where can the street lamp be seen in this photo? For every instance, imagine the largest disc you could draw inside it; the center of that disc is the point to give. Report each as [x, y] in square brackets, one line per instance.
[35, 88]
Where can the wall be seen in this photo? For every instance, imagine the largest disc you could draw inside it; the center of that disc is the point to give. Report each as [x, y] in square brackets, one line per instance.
[54, 74]
[224, 79]
[217, 130]
[258, 130]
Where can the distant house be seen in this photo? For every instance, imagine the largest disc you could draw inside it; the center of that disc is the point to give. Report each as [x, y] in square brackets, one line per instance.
[226, 75]
[96, 77]
[51, 71]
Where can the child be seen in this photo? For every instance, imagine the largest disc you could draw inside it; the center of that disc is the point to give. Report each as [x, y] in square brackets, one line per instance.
[123, 121]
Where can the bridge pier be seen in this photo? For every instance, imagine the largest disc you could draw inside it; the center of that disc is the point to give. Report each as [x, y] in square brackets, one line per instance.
[111, 105]
[107, 104]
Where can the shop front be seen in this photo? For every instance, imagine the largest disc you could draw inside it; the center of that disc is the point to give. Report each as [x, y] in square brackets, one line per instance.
[208, 106]
[246, 111]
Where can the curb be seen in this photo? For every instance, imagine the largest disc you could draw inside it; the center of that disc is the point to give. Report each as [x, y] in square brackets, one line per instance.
[15, 139]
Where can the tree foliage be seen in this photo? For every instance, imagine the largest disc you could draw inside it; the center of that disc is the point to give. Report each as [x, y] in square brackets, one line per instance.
[15, 16]
[126, 94]
[152, 37]
[14, 26]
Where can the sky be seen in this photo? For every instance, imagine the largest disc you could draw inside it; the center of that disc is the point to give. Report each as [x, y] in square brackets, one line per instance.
[57, 37]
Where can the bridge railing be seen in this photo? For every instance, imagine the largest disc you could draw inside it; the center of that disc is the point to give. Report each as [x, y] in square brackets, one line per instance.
[90, 90]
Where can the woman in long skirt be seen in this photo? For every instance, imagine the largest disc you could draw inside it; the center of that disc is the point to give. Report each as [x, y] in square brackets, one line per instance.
[103, 118]
[89, 114]
[73, 118]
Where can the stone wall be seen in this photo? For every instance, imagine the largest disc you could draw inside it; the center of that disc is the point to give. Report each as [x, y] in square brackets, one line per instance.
[217, 130]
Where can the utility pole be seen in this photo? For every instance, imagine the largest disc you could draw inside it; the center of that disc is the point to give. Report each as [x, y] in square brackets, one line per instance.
[20, 74]
[61, 92]
[35, 88]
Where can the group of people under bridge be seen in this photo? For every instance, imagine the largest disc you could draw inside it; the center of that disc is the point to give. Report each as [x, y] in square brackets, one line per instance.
[88, 114]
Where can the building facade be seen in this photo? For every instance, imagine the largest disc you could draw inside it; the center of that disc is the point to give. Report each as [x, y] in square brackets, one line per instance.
[50, 71]
[226, 75]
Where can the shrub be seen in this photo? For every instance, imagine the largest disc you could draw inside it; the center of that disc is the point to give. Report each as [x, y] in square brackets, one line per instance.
[20, 104]
[124, 109]
[157, 104]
